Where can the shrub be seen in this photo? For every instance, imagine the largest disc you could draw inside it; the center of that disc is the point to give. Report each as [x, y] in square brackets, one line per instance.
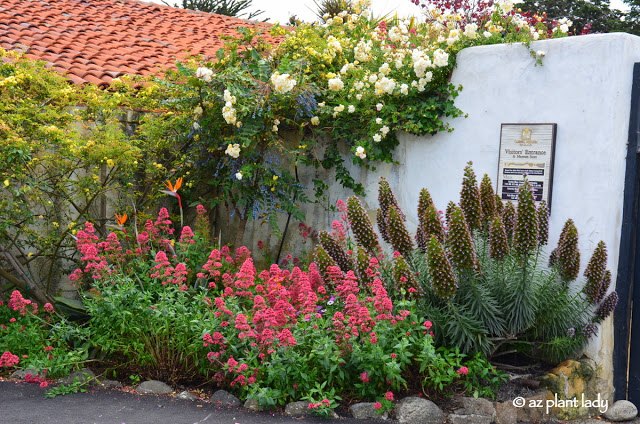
[33, 337]
[257, 333]
[486, 287]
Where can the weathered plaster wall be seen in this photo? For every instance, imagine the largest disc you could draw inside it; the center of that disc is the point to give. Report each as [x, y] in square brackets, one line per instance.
[584, 86]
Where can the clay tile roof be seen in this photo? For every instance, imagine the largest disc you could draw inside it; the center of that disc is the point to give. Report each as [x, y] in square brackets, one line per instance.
[94, 41]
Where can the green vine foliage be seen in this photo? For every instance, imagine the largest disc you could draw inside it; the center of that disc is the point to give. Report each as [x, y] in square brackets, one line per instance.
[328, 96]
[490, 293]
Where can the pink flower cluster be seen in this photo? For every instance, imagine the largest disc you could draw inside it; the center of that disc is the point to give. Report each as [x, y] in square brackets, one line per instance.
[324, 403]
[20, 304]
[8, 359]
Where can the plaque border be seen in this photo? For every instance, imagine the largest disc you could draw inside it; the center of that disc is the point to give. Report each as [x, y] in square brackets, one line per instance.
[554, 131]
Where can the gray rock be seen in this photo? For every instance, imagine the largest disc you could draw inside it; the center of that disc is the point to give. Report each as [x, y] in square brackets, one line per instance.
[366, 410]
[622, 410]
[529, 413]
[21, 374]
[252, 405]
[588, 421]
[475, 406]
[301, 409]
[297, 409]
[225, 398]
[83, 376]
[109, 383]
[187, 396]
[154, 386]
[469, 419]
[419, 411]
[506, 413]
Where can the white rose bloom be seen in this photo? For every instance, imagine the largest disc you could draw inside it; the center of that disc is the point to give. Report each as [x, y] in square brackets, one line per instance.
[470, 30]
[336, 84]
[274, 128]
[377, 138]
[333, 43]
[238, 175]
[384, 130]
[233, 150]
[315, 120]
[204, 74]
[440, 58]
[454, 35]
[385, 85]
[379, 121]
[196, 126]
[384, 69]
[351, 109]
[282, 83]
[373, 78]
[486, 34]
[379, 106]
[321, 104]
[338, 109]
[358, 85]
[362, 51]
[564, 28]
[404, 89]
[395, 34]
[228, 98]
[229, 114]
[198, 110]
[540, 53]
[359, 96]
[535, 35]
[360, 152]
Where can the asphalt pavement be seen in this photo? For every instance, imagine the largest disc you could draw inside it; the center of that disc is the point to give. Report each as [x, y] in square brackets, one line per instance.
[24, 403]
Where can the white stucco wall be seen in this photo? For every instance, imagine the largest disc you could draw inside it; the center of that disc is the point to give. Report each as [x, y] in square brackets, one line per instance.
[584, 86]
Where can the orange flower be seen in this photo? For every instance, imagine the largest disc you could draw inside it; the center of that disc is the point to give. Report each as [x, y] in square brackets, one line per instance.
[121, 219]
[175, 188]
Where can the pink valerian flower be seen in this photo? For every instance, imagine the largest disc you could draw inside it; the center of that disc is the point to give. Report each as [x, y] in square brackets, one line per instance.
[463, 371]
[245, 278]
[428, 325]
[180, 274]
[48, 307]
[12, 320]
[388, 396]
[339, 232]
[8, 359]
[87, 244]
[348, 285]
[377, 406]
[164, 270]
[112, 248]
[186, 236]
[163, 223]
[260, 244]
[200, 210]
[364, 377]
[18, 303]
[212, 266]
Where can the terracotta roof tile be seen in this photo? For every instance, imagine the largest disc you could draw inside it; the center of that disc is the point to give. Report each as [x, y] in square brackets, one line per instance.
[93, 41]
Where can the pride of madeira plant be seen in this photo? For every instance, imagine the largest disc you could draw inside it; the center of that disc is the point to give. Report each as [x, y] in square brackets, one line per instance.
[478, 271]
